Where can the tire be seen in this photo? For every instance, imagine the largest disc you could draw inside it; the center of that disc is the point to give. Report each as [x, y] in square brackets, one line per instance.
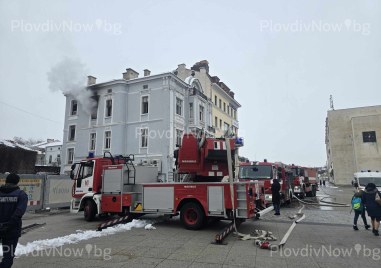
[192, 216]
[90, 210]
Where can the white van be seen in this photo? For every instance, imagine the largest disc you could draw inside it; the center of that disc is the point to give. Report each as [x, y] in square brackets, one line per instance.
[364, 177]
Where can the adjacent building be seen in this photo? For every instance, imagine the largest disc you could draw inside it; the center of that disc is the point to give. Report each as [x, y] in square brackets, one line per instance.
[224, 115]
[16, 157]
[353, 142]
[145, 116]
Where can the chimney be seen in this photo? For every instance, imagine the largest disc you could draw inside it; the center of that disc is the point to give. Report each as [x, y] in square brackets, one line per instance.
[130, 74]
[147, 72]
[181, 66]
[231, 93]
[91, 80]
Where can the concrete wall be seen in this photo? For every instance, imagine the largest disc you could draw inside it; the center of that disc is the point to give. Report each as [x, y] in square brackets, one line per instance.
[346, 151]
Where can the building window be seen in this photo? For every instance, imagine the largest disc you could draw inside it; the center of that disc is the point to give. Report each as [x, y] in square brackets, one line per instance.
[144, 137]
[179, 106]
[145, 86]
[94, 108]
[74, 107]
[71, 133]
[220, 123]
[220, 104]
[107, 140]
[201, 113]
[58, 159]
[70, 156]
[108, 108]
[50, 159]
[145, 105]
[369, 136]
[191, 110]
[234, 114]
[226, 126]
[216, 121]
[228, 110]
[179, 136]
[224, 107]
[93, 137]
[215, 100]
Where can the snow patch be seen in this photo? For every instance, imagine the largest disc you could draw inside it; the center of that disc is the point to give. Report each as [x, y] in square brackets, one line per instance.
[149, 227]
[77, 237]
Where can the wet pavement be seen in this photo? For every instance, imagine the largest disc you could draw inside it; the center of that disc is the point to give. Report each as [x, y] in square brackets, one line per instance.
[324, 239]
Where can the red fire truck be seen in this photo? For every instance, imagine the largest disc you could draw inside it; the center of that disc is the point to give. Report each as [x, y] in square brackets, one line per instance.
[265, 172]
[304, 181]
[115, 185]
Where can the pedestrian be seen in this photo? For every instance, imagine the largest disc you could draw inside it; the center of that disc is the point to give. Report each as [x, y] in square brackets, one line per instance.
[370, 199]
[324, 181]
[275, 188]
[13, 203]
[359, 209]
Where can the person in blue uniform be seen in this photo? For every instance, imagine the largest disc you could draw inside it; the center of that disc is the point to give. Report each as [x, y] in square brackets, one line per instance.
[13, 204]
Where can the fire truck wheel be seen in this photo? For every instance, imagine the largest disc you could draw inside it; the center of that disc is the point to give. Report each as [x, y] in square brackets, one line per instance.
[90, 210]
[192, 216]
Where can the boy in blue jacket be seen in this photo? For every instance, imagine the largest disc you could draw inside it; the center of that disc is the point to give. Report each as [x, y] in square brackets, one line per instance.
[13, 204]
[359, 209]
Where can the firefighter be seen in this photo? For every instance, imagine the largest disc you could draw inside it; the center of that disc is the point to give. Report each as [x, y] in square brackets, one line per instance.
[13, 203]
[275, 188]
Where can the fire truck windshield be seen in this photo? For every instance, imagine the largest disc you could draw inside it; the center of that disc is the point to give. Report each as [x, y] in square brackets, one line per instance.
[255, 172]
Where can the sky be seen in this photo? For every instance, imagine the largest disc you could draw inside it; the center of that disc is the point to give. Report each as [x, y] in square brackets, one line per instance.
[283, 60]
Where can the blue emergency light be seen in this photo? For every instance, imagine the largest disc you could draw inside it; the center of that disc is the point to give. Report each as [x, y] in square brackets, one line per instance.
[239, 141]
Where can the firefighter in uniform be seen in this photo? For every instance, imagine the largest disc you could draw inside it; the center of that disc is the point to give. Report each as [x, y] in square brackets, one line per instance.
[13, 203]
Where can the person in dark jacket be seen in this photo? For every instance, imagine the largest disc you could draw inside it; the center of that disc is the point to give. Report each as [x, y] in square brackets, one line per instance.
[275, 188]
[13, 204]
[372, 207]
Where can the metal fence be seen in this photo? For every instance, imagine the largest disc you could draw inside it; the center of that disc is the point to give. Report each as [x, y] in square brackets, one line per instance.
[45, 191]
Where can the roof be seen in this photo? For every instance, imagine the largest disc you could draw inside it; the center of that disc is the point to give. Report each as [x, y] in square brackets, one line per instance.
[56, 143]
[13, 144]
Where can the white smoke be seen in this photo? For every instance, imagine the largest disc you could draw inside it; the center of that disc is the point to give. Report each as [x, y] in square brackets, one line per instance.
[70, 77]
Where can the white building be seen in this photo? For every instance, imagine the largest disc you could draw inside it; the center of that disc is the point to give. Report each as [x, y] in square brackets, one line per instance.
[145, 116]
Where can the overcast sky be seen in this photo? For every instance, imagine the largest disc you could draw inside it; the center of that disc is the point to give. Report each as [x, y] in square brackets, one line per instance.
[283, 59]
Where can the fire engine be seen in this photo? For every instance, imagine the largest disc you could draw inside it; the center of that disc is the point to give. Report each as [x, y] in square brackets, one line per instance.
[116, 185]
[265, 172]
[304, 181]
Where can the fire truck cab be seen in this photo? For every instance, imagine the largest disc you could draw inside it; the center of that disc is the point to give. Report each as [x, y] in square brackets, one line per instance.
[265, 172]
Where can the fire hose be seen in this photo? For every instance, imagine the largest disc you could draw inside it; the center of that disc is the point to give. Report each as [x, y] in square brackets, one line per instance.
[326, 204]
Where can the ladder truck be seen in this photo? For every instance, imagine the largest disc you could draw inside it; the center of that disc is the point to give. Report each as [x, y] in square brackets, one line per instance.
[115, 185]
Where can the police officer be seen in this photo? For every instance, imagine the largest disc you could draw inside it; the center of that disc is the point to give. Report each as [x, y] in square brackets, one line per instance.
[13, 203]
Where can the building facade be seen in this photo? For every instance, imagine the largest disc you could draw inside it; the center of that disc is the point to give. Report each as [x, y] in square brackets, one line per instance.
[224, 115]
[145, 116]
[353, 142]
